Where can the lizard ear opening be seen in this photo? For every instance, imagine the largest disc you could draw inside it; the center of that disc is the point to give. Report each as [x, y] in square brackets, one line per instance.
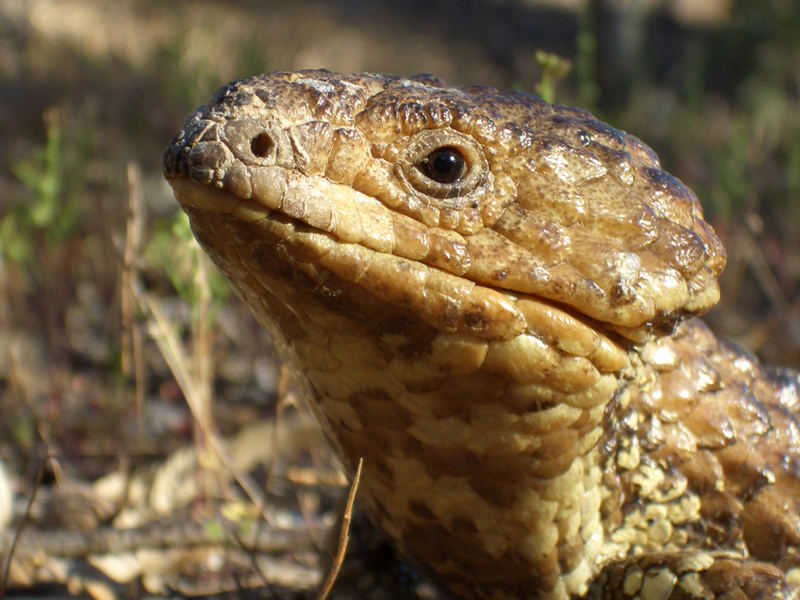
[443, 164]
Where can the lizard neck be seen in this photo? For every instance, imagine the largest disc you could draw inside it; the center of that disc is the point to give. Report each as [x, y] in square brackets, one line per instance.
[464, 468]
[476, 452]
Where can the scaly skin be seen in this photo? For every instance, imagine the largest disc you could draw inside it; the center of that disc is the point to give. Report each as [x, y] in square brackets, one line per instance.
[508, 345]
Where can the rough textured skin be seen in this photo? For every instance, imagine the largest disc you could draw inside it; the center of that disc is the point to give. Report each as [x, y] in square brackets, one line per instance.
[508, 346]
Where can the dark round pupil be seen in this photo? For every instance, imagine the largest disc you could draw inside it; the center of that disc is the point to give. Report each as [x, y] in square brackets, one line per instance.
[444, 165]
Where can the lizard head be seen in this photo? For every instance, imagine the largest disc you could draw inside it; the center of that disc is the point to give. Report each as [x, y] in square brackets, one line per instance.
[424, 195]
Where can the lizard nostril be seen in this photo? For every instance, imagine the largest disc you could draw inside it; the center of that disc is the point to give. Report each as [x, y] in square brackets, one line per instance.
[261, 145]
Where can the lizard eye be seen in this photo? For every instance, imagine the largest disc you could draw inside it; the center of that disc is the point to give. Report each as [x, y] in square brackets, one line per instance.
[444, 165]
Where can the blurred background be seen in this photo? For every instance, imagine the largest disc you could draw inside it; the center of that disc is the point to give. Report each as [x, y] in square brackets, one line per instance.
[91, 240]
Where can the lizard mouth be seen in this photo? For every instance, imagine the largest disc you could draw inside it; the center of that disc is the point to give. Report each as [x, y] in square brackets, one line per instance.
[259, 246]
[446, 301]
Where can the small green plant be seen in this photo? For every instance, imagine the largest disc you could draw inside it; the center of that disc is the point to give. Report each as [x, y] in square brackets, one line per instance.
[173, 249]
[732, 184]
[50, 212]
[585, 70]
[554, 69]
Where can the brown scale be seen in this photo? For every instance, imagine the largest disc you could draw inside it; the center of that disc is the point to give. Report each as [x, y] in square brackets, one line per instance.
[490, 300]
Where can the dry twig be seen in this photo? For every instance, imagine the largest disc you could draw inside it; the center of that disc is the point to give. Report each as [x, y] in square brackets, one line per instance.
[18, 531]
[344, 535]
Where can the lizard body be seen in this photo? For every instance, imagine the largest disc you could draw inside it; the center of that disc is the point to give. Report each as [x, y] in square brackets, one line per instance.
[491, 300]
